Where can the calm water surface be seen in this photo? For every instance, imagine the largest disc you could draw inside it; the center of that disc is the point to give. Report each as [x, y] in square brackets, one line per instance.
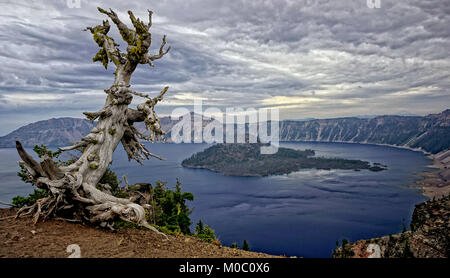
[299, 214]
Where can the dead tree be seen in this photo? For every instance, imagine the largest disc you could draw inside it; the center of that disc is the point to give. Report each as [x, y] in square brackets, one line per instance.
[72, 189]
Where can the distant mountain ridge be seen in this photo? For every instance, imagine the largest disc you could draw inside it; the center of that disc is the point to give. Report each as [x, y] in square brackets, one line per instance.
[58, 132]
[430, 133]
[52, 132]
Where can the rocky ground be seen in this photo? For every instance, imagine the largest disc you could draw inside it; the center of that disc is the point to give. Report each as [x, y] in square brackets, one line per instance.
[436, 184]
[19, 238]
[429, 236]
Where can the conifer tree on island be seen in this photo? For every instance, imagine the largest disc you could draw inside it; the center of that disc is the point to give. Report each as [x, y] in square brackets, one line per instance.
[72, 189]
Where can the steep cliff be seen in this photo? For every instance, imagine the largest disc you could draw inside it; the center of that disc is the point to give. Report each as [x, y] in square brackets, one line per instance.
[429, 236]
[429, 133]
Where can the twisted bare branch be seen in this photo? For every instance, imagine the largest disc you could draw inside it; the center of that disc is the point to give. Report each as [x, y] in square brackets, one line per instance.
[128, 35]
[150, 58]
[72, 191]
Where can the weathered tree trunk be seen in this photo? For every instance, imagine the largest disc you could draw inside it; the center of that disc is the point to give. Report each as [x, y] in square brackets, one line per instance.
[72, 189]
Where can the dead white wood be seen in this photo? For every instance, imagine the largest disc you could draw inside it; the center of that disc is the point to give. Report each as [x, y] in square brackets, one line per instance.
[72, 189]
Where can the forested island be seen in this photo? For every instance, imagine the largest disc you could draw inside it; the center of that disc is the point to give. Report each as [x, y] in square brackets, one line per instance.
[246, 160]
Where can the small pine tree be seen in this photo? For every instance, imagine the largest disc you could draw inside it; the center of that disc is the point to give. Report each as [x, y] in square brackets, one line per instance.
[234, 245]
[199, 227]
[204, 232]
[245, 246]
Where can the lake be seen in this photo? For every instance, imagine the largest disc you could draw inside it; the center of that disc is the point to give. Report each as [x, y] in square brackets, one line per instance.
[300, 214]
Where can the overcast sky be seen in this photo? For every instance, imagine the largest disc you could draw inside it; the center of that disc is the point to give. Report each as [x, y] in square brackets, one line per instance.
[309, 58]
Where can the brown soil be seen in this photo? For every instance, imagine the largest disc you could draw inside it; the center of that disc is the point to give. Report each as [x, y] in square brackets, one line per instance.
[436, 184]
[20, 238]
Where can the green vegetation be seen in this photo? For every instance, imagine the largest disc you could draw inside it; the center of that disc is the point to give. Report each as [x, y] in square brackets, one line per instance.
[20, 201]
[204, 232]
[40, 151]
[345, 250]
[168, 211]
[43, 150]
[247, 160]
[245, 246]
[169, 207]
[110, 178]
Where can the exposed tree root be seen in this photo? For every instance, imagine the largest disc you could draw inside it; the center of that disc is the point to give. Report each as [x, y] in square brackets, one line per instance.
[7, 217]
[72, 192]
[75, 201]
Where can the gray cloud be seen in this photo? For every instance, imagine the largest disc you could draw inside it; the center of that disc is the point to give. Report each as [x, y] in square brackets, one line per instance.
[310, 58]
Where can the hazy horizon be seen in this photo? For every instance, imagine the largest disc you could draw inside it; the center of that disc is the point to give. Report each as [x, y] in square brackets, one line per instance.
[290, 119]
[309, 59]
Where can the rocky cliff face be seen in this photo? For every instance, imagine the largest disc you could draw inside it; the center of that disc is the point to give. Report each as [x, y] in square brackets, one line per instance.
[429, 236]
[428, 133]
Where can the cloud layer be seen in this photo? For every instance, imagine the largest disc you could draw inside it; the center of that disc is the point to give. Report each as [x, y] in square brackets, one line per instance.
[310, 58]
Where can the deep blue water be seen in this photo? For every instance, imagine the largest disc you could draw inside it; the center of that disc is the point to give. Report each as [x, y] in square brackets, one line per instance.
[299, 214]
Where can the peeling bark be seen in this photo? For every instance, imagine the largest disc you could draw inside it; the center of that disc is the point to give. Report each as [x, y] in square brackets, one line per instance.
[72, 189]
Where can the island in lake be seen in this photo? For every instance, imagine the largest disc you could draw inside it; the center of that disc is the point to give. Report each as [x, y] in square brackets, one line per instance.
[246, 160]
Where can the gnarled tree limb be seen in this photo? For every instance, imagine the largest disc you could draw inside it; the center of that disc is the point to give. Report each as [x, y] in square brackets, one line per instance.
[148, 59]
[72, 190]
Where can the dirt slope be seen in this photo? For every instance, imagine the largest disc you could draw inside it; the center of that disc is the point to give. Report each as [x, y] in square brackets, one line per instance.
[20, 238]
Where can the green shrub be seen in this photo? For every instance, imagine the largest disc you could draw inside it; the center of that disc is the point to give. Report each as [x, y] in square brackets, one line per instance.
[109, 177]
[204, 232]
[42, 150]
[20, 201]
[245, 246]
[169, 207]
